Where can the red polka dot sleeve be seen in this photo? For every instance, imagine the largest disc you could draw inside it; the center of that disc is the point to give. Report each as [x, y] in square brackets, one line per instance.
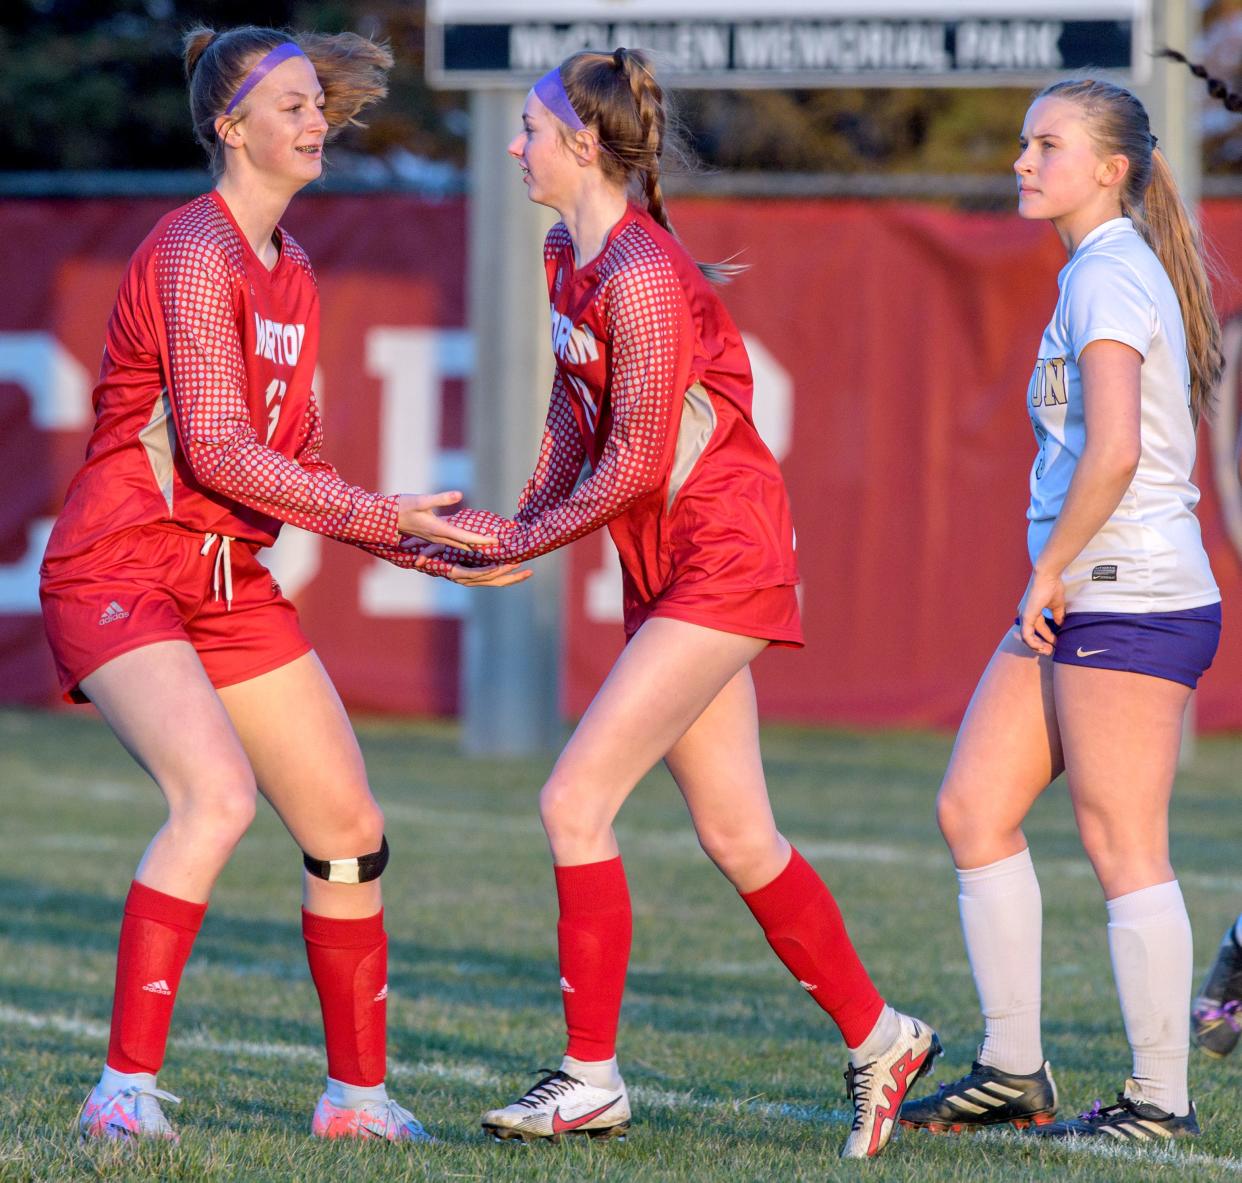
[561, 457]
[196, 286]
[646, 317]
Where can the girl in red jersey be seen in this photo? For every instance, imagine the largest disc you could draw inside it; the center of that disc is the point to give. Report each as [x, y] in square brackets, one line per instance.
[653, 394]
[207, 438]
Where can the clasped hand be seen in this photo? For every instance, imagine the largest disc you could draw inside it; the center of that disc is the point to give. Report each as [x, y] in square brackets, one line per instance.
[431, 535]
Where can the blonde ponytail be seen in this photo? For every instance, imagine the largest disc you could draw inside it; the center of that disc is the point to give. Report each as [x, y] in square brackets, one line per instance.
[1163, 221]
[1119, 125]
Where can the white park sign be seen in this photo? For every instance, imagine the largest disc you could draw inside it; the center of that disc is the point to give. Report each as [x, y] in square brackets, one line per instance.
[787, 43]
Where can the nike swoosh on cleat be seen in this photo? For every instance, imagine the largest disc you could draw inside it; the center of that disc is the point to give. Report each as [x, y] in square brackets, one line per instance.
[1089, 652]
[561, 1126]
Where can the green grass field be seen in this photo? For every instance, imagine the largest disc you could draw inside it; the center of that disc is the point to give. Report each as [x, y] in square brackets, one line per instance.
[734, 1073]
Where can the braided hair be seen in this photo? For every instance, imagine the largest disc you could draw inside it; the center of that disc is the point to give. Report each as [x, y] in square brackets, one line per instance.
[1215, 87]
[618, 96]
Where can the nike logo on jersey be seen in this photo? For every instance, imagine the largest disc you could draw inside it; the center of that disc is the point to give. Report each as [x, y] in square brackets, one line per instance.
[1089, 652]
[278, 342]
[561, 1126]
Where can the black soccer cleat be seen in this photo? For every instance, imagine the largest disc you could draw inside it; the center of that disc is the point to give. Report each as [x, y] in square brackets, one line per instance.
[985, 1096]
[1216, 1016]
[1131, 1119]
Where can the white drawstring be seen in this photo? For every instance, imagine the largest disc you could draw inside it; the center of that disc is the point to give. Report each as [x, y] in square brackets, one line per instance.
[223, 560]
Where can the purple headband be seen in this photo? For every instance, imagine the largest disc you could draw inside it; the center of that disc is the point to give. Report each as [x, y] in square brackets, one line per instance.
[550, 91]
[267, 63]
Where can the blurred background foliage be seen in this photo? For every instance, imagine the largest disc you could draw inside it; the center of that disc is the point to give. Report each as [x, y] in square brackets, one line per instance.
[97, 84]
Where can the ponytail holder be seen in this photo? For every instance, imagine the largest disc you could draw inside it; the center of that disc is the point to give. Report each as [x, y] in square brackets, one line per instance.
[1155, 143]
[550, 91]
[266, 64]
[619, 58]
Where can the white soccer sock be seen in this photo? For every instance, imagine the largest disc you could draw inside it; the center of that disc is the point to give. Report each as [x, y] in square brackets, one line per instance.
[882, 1036]
[600, 1074]
[354, 1096]
[1002, 922]
[112, 1081]
[1149, 939]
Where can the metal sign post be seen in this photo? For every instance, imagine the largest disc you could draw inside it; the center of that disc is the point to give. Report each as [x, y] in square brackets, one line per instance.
[1171, 96]
[511, 650]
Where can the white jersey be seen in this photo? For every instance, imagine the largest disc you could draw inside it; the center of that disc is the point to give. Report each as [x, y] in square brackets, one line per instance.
[1148, 556]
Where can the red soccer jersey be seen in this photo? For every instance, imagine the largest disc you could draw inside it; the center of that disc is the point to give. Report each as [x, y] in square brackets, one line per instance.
[204, 413]
[652, 391]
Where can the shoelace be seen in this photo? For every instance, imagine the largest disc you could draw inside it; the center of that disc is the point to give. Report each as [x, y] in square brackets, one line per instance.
[223, 561]
[551, 1086]
[392, 1115]
[857, 1084]
[1229, 1013]
[1099, 1112]
[137, 1091]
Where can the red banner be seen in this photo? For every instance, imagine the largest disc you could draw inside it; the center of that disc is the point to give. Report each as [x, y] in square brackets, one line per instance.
[891, 344]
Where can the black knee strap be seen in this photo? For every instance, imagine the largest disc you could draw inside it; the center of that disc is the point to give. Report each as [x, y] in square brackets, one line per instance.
[362, 869]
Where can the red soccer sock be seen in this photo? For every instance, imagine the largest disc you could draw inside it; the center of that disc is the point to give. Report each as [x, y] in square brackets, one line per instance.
[349, 965]
[157, 934]
[593, 939]
[804, 927]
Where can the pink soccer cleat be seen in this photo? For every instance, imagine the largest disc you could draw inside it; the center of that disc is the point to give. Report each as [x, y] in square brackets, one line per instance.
[371, 1119]
[132, 1112]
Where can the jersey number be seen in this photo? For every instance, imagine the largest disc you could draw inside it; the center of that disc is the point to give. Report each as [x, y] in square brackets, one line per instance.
[275, 400]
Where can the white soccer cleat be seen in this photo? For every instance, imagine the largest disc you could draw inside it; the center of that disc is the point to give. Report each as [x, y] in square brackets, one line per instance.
[129, 1113]
[561, 1104]
[878, 1087]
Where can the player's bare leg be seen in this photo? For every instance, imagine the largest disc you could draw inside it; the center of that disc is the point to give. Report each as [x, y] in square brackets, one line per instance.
[306, 760]
[1122, 734]
[664, 679]
[308, 765]
[159, 702]
[1007, 752]
[161, 706]
[718, 767]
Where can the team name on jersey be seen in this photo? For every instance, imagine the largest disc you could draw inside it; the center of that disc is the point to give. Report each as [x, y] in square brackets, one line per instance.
[1047, 387]
[573, 345]
[278, 342]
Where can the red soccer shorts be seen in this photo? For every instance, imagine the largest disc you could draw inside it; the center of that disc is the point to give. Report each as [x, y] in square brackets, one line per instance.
[770, 613]
[153, 584]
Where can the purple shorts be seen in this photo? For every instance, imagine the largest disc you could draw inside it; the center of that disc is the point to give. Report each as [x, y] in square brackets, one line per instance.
[1178, 646]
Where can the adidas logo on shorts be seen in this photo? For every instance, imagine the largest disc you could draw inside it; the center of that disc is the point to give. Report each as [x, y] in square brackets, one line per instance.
[566, 988]
[382, 995]
[112, 613]
[160, 987]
